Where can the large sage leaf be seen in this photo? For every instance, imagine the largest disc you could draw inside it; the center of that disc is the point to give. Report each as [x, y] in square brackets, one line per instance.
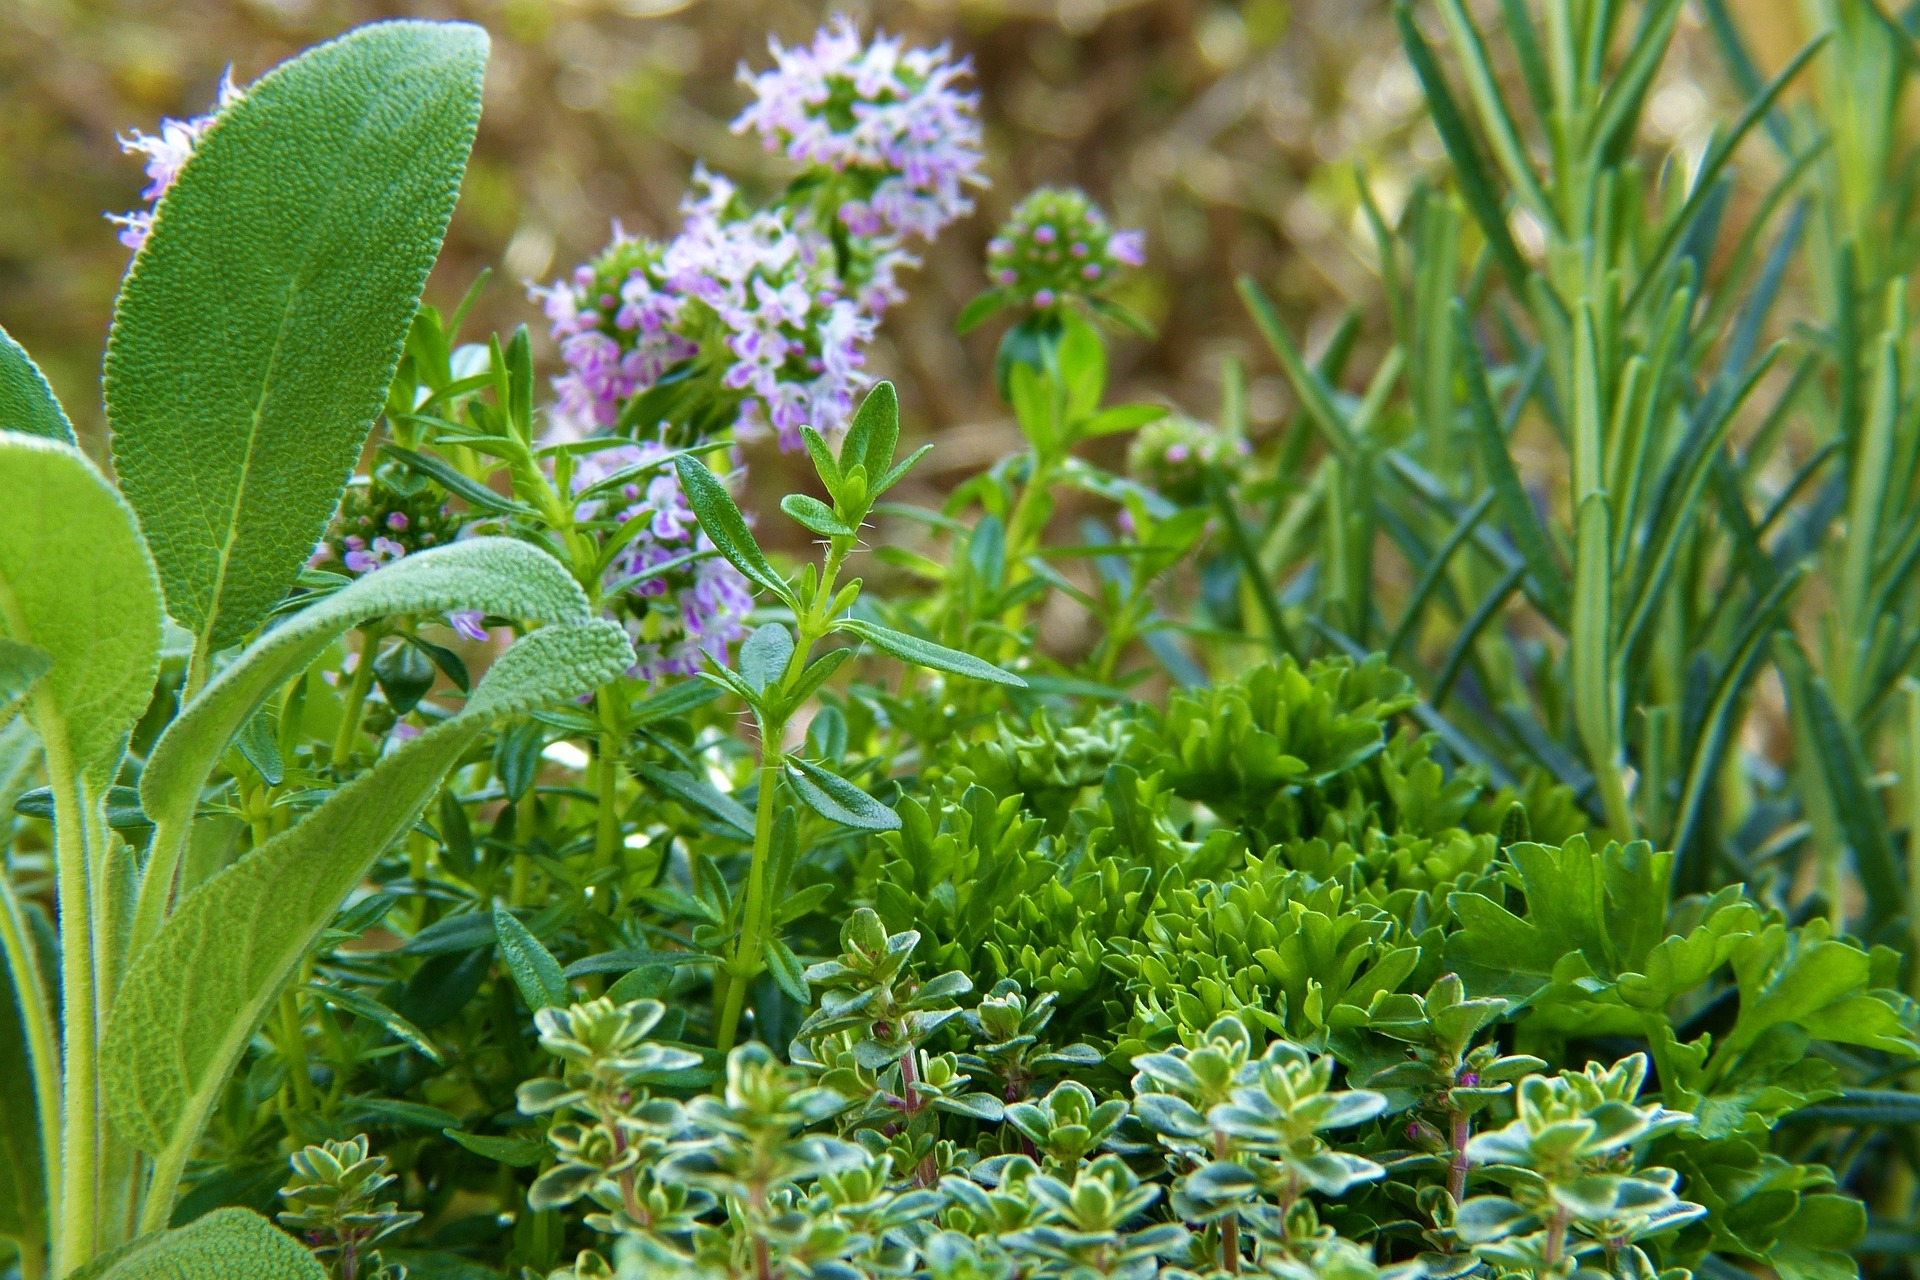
[495, 575]
[259, 327]
[77, 584]
[227, 1244]
[26, 401]
[196, 993]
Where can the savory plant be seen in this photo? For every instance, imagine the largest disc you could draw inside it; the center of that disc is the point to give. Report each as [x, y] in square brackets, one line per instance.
[742, 918]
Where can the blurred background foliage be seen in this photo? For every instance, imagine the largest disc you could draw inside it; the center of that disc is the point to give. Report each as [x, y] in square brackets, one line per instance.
[1229, 132]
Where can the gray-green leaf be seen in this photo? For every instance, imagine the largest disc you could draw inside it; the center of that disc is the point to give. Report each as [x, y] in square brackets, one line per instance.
[195, 994]
[925, 653]
[27, 403]
[76, 583]
[227, 1244]
[259, 327]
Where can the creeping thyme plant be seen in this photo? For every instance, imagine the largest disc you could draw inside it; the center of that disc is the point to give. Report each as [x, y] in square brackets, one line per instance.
[446, 842]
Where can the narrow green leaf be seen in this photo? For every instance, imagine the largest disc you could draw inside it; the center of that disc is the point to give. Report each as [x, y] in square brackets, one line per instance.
[1707, 175]
[1315, 397]
[824, 464]
[531, 965]
[670, 703]
[898, 473]
[518, 1153]
[713, 506]
[787, 971]
[195, 994]
[837, 800]
[76, 582]
[1122, 417]
[925, 653]
[476, 495]
[702, 797]
[1033, 405]
[1515, 506]
[27, 403]
[1082, 360]
[227, 1244]
[362, 1005]
[1469, 169]
[1596, 703]
[978, 308]
[466, 932]
[1620, 106]
[1861, 1108]
[1483, 87]
[257, 332]
[258, 742]
[1824, 741]
[816, 515]
[1703, 769]
[628, 961]
[817, 673]
[873, 433]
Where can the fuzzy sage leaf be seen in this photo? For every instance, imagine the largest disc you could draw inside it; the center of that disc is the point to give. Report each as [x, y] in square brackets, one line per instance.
[27, 403]
[227, 1244]
[77, 584]
[256, 334]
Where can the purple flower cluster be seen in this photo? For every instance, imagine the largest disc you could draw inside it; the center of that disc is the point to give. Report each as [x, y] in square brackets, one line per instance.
[614, 322]
[774, 306]
[167, 153]
[673, 612]
[1173, 455]
[883, 115]
[749, 289]
[1058, 244]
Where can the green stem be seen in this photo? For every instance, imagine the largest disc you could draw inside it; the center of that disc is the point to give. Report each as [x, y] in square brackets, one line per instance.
[199, 669]
[606, 845]
[357, 690]
[43, 1038]
[1039, 480]
[157, 881]
[746, 964]
[1911, 689]
[293, 1048]
[76, 1237]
